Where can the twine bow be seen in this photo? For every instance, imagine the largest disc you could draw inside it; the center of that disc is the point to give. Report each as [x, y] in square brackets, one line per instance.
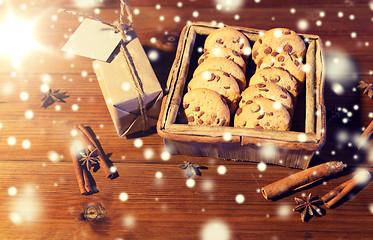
[122, 28]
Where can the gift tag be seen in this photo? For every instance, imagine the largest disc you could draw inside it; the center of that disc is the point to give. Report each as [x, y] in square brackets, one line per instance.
[93, 39]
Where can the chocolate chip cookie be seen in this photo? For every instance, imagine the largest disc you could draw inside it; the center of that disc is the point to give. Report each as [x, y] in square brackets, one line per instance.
[263, 113]
[224, 65]
[205, 107]
[228, 37]
[220, 82]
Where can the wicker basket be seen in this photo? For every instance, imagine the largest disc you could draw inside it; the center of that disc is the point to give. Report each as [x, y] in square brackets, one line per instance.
[293, 148]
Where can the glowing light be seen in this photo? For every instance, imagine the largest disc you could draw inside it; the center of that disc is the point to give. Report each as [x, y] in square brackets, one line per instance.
[17, 37]
[153, 40]
[222, 170]
[158, 6]
[53, 156]
[161, 18]
[227, 136]
[352, 17]
[195, 14]
[190, 183]
[240, 198]
[177, 19]
[24, 96]
[87, 3]
[129, 221]
[337, 88]
[262, 166]
[353, 35]
[318, 23]
[75, 107]
[29, 114]
[215, 230]
[322, 14]
[26, 144]
[148, 153]
[113, 169]
[126, 86]
[236, 17]
[179, 4]
[12, 191]
[229, 6]
[158, 175]
[153, 55]
[208, 185]
[12, 141]
[292, 11]
[44, 88]
[138, 143]
[302, 137]
[123, 196]
[136, 11]
[165, 156]
[284, 211]
[302, 24]
[328, 43]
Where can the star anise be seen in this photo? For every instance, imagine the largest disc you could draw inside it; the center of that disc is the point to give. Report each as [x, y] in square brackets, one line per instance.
[367, 88]
[53, 96]
[191, 169]
[308, 206]
[89, 158]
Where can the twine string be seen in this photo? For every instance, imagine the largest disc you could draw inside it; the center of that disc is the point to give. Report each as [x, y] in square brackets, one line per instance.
[123, 28]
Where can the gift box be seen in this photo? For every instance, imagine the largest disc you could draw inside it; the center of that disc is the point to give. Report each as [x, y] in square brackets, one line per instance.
[128, 83]
[293, 148]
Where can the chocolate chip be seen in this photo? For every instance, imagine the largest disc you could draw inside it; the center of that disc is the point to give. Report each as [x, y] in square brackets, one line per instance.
[217, 121]
[190, 119]
[249, 102]
[270, 114]
[239, 111]
[275, 79]
[212, 77]
[264, 89]
[235, 53]
[244, 124]
[296, 63]
[220, 41]
[201, 114]
[200, 121]
[226, 74]
[261, 85]
[227, 87]
[288, 48]
[243, 101]
[283, 96]
[282, 64]
[288, 87]
[223, 121]
[265, 79]
[213, 116]
[281, 58]
[260, 41]
[260, 62]
[217, 78]
[196, 109]
[241, 46]
[268, 50]
[287, 32]
[204, 50]
[201, 60]
[260, 116]
[258, 127]
[186, 105]
[255, 54]
[267, 68]
[274, 54]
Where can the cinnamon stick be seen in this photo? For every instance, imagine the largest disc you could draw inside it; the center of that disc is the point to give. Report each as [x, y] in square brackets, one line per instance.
[288, 184]
[366, 135]
[78, 172]
[335, 191]
[362, 178]
[90, 141]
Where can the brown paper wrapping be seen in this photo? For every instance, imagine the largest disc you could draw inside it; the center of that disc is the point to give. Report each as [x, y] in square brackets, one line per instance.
[118, 89]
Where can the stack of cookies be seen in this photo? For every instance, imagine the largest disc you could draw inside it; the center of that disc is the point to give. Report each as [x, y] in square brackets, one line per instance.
[268, 102]
[215, 89]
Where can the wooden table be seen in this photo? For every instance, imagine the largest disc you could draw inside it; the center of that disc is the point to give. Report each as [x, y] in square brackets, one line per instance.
[152, 199]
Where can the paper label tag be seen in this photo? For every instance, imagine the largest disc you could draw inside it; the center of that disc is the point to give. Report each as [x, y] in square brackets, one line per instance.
[93, 39]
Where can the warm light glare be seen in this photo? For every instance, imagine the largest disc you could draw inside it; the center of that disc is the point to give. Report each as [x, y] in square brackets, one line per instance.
[16, 37]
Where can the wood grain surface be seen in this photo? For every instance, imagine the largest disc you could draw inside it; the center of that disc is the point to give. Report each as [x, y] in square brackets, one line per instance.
[152, 199]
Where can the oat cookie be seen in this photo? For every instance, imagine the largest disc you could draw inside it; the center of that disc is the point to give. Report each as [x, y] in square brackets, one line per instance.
[286, 61]
[263, 113]
[224, 52]
[279, 40]
[226, 66]
[220, 82]
[228, 37]
[278, 76]
[205, 107]
[268, 90]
